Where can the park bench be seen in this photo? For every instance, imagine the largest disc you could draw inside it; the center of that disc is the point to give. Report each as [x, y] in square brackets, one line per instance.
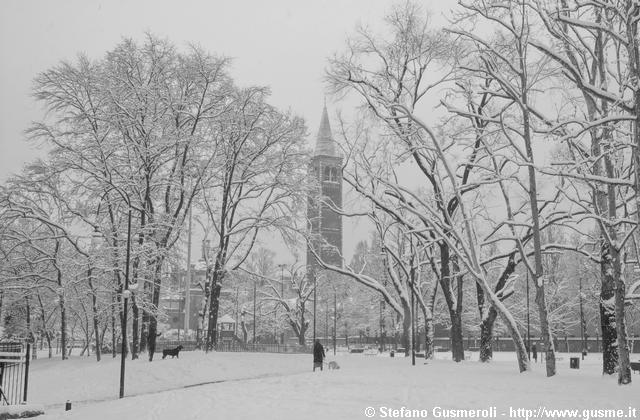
[371, 352]
[635, 366]
[356, 350]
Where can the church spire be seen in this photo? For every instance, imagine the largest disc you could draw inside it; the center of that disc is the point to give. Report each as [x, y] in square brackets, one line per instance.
[325, 145]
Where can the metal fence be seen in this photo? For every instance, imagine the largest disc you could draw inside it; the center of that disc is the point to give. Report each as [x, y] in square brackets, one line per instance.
[261, 348]
[187, 345]
[14, 373]
[572, 344]
[234, 346]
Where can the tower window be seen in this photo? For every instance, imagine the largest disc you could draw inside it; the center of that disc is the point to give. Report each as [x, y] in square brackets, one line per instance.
[330, 174]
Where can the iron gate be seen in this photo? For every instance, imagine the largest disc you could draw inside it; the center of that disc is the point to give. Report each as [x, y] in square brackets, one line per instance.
[14, 372]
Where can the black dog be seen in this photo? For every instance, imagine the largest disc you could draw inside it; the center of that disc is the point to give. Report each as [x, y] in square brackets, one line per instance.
[172, 352]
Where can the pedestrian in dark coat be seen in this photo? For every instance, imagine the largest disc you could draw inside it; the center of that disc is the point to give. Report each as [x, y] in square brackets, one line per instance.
[534, 353]
[318, 355]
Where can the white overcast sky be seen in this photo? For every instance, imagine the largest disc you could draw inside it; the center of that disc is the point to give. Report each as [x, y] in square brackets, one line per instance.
[280, 43]
[283, 44]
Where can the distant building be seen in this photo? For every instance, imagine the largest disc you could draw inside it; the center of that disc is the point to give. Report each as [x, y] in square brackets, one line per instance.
[172, 302]
[324, 223]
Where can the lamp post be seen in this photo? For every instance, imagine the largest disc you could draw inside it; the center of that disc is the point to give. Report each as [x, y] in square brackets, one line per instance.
[254, 310]
[381, 325]
[125, 294]
[314, 305]
[326, 322]
[281, 267]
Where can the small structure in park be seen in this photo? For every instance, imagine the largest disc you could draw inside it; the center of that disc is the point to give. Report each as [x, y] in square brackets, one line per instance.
[227, 329]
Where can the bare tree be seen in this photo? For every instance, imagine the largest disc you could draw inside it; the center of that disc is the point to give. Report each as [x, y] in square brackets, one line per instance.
[599, 156]
[253, 186]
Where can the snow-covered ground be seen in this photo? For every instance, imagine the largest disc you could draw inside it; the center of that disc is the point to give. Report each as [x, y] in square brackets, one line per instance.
[278, 386]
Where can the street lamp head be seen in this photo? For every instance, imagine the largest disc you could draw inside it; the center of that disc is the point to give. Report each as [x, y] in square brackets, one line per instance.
[126, 294]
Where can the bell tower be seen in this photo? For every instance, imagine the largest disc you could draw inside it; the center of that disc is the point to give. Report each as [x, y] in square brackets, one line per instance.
[325, 224]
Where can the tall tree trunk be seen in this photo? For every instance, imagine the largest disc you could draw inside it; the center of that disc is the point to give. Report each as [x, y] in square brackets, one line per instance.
[428, 339]
[488, 313]
[633, 9]
[430, 301]
[113, 325]
[537, 273]
[486, 327]
[601, 205]
[48, 337]
[455, 306]
[624, 370]
[144, 331]
[135, 328]
[607, 312]
[457, 341]
[46, 333]
[538, 279]
[138, 336]
[302, 331]
[486, 336]
[303, 327]
[94, 312]
[406, 328]
[212, 328]
[155, 301]
[214, 300]
[63, 326]
[428, 335]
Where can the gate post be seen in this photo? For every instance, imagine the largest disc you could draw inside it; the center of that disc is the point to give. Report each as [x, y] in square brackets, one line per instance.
[26, 372]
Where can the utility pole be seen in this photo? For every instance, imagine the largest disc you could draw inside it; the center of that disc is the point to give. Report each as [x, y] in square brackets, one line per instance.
[335, 319]
[254, 310]
[326, 322]
[282, 294]
[187, 283]
[235, 326]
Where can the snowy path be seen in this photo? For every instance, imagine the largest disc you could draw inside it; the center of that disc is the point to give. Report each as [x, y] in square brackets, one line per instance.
[362, 382]
[52, 382]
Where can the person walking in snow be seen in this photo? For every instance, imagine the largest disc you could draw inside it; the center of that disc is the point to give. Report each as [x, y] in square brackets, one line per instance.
[534, 353]
[318, 355]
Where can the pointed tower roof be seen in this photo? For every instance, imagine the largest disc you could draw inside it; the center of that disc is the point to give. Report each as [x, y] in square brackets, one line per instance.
[325, 145]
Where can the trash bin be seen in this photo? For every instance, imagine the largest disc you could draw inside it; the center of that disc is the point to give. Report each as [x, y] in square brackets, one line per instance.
[574, 363]
[393, 353]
